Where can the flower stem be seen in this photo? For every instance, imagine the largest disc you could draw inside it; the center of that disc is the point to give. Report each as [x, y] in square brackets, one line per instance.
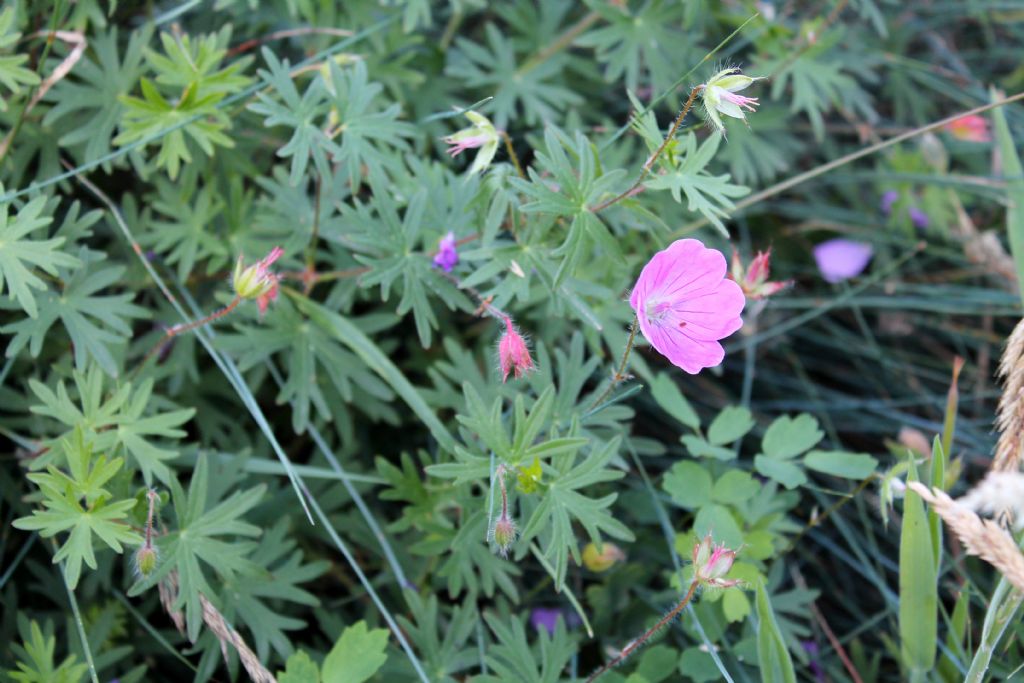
[563, 41]
[151, 494]
[649, 164]
[636, 643]
[512, 154]
[620, 374]
[187, 327]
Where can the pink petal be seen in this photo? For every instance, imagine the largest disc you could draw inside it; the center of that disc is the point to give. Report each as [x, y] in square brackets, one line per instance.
[689, 354]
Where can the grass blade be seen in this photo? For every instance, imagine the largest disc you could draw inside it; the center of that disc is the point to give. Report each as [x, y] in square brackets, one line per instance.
[1014, 175]
[772, 654]
[351, 336]
[918, 589]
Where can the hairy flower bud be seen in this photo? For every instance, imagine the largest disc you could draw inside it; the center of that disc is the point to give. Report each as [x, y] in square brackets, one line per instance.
[504, 534]
[513, 354]
[145, 560]
[256, 281]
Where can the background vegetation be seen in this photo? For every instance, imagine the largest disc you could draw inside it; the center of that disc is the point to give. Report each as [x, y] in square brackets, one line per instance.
[322, 476]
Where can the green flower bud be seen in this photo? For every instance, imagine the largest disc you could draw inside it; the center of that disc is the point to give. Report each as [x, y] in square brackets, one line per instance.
[145, 560]
[504, 534]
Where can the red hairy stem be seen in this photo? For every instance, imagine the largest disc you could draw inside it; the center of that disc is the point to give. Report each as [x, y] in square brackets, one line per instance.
[649, 164]
[632, 646]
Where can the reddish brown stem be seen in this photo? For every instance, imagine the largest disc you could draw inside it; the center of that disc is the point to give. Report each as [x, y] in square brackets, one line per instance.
[649, 164]
[633, 645]
[188, 327]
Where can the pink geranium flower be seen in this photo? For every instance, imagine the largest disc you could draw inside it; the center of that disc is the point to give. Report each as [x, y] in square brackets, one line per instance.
[685, 304]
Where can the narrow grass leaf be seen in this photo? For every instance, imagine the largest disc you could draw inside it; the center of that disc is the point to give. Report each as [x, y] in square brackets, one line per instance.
[918, 605]
[772, 654]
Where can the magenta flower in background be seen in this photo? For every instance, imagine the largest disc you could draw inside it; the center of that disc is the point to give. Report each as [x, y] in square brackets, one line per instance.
[840, 259]
[685, 304]
[447, 255]
[918, 217]
[545, 618]
[888, 199]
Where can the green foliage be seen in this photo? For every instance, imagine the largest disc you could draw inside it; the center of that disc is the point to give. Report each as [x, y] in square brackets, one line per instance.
[35, 656]
[113, 424]
[101, 515]
[18, 255]
[786, 438]
[200, 539]
[87, 105]
[772, 655]
[183, 99]
[918, 592]
[709, 195]
[356, 656]
[313, 479]
[12, 74]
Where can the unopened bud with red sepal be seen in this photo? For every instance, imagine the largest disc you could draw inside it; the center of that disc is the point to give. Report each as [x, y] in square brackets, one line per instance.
[753, 279]
[711, 563]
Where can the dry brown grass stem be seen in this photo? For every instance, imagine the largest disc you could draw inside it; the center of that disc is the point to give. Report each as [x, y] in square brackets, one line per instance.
[216, 622]
[981, 537]
[1010, 418]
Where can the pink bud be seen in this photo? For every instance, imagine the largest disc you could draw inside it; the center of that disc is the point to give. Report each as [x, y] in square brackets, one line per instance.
[263, 300]
[759, 267]
[702, 551]
[720, 562]
[513, 355]
[753, 280]
[711, 563]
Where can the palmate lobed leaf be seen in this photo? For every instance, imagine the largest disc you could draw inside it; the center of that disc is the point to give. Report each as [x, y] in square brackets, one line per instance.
[63, 509]
[192, 87]
[36, 655]
[96, 323]
[197, 540]
[709, 195]
[87, 105]
[12, 74]
[562, 504]
[498, 72]
[276, 570]
[117, 421]
[18, 256]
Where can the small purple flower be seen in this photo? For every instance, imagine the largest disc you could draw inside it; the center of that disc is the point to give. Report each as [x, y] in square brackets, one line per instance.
[815, 664]
[545, 618]
[918, 217]
[840, 259]
[447, 256]
[888, 199]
